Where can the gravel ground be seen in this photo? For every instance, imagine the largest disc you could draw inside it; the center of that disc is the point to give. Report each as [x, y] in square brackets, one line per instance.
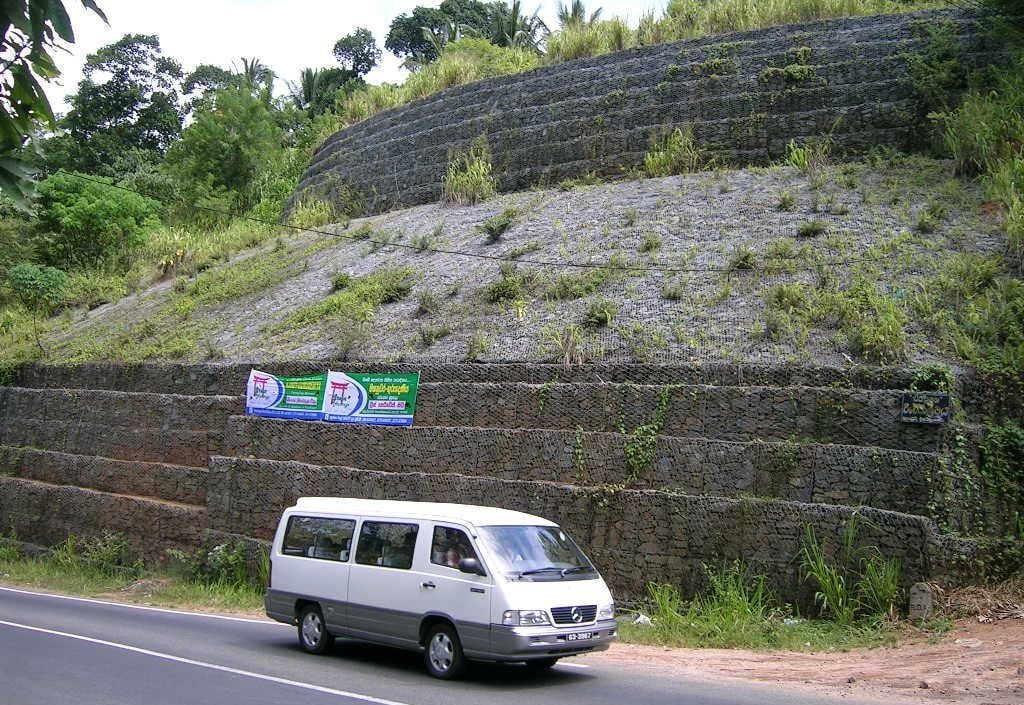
[694, 223]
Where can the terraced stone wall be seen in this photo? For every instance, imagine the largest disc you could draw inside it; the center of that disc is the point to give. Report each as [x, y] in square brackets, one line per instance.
[852, 475]
[977, 395]
[634, 536]
[745, 94]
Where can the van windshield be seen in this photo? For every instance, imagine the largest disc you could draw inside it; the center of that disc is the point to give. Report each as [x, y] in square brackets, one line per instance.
[537, 553]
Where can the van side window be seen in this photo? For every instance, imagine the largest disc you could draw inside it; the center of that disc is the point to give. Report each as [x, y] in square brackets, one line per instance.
[386, 544]
[316, 537]
[450, 546]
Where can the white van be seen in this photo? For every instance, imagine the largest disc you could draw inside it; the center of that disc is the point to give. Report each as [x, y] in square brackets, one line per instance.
[453, 581]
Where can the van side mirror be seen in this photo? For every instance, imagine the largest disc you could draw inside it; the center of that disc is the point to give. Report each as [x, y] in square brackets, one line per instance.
[471, 565]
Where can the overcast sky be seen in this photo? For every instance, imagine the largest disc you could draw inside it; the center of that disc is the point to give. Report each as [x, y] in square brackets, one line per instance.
[286, 36]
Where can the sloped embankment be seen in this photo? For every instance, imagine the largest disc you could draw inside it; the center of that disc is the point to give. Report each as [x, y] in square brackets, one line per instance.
[759, 265]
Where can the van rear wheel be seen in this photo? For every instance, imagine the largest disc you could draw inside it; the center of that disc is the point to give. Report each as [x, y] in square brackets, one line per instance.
[443, 655]
[313, 634]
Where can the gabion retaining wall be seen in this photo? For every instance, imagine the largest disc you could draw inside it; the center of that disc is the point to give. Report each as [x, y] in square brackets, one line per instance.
[46, 514]
[740, 92]
[853, 475]
[974, 395]
[634, 536]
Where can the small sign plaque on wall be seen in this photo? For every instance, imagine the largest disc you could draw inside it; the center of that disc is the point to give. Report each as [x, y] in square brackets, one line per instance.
[925, 407]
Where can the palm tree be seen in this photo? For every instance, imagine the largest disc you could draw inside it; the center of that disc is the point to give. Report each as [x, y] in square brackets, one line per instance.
[256, 76]
[316, 88]
[575, 15]
[303, 92]
[452, 31]
[511, 28]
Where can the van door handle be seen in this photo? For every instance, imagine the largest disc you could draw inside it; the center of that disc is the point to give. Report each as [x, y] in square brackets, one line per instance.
[429, 585]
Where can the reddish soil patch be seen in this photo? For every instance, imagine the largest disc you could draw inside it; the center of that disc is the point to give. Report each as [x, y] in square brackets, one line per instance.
[975, 663]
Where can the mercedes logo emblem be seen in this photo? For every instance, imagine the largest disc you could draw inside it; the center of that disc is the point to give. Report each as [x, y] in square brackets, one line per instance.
[576, 615]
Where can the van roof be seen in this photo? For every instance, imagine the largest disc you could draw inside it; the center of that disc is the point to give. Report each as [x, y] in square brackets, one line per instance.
[466, 513]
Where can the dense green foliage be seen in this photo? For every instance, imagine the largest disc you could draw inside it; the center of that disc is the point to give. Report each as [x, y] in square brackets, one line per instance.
[125, 112]
[31, 29]
[220, 154]
[39, 289]
[357, 52]
[420, 35]
[86, 222]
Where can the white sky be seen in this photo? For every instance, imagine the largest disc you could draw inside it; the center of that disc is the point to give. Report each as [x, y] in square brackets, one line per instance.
[286, 36]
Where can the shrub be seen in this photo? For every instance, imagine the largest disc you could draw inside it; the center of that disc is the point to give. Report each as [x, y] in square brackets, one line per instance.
[577, 41]
[312, 213]
[812, 228]
[576, 286]
[788, 297]
[469, 179]
[858, 581]
[512, 285]
[39, 289]
[88, 221]
[651, 243]
[601, 313]
[874, 324]
[428, 304]
[673, 291]
[340, 281]
[743, 258]
[462, 61]
[428, 334]
[107, 554]
[674, 152]
[478, 345]
[933, 378]
[787, 201]
[496, 226]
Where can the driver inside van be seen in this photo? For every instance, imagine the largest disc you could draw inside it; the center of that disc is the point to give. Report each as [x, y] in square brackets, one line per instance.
[450, 547]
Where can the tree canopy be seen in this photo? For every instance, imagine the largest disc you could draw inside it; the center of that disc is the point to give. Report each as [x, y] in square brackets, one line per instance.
[31, 29]
[357, 52]
[419, 36]
[127, 101]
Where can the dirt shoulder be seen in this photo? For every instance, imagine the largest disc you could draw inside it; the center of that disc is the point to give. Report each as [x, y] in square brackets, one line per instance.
[981, 664]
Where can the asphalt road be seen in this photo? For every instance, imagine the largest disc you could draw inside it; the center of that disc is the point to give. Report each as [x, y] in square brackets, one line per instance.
[59, 650]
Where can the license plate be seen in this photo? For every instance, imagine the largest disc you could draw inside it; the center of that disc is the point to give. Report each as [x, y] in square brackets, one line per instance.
[579, 636]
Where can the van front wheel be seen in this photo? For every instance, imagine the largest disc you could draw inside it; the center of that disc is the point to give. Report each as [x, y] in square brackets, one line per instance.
[443, 655]
[313, 634]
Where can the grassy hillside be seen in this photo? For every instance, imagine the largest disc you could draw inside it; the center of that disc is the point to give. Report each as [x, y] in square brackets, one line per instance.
[891, 260]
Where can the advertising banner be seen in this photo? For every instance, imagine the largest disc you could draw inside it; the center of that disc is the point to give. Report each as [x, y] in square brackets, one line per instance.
[381, 399]
[285, 397]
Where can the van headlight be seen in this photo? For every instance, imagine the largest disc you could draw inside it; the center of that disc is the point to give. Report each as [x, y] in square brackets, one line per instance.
[606, 611]
[524, 618]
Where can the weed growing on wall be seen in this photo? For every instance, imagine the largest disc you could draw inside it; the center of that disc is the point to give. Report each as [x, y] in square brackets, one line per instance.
[640, 444]
[873, 324]
[469, 179]
[356, 302]
[601, 313]
[312, 213]
[496, 226]
[855, 582]
[674, 152]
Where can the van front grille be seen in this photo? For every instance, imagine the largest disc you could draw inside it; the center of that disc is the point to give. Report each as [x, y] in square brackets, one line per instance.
[578, 614]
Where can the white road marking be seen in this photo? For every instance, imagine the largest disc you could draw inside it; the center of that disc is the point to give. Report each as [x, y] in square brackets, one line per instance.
[142, 607]
[574, 665]
[204, 664]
